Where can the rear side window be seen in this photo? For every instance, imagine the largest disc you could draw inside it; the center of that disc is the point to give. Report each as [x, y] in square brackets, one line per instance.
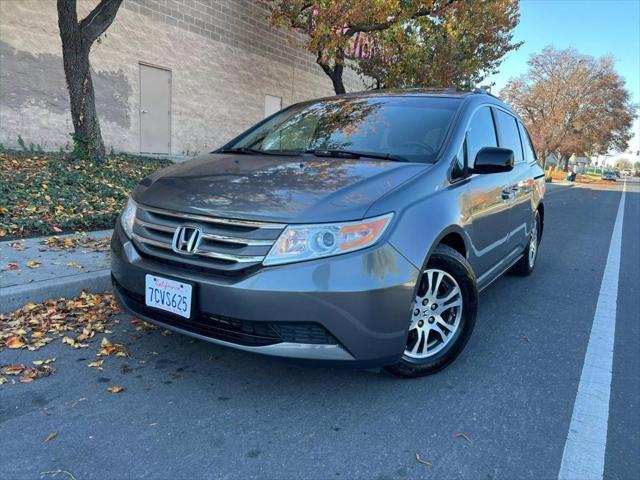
[509, 135]
[481, 134]
[529, 152]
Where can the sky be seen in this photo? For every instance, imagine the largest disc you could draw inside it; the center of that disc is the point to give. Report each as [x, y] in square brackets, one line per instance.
[593, 27]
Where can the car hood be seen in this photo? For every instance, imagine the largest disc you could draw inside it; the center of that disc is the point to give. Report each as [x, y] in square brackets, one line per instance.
[274, 188]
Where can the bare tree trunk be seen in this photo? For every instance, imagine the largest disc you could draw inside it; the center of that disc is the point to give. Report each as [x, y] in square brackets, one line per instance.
[77, 39]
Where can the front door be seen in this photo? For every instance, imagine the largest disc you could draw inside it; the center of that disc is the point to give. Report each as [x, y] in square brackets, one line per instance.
[488, 203]
[155, 110]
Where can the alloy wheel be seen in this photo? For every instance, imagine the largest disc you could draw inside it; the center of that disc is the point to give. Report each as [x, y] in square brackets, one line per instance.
[435, 315]
[533, 243]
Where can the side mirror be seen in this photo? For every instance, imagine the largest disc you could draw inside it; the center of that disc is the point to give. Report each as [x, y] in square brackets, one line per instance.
[493, 160]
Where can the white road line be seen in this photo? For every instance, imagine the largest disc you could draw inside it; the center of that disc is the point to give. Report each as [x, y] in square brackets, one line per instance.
[583, 457]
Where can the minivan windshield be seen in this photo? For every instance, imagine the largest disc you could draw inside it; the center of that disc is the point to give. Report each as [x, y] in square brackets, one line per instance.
[411, 128]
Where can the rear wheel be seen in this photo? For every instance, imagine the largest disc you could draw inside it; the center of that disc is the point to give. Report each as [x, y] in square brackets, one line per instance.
[527, 263]
[442, 315]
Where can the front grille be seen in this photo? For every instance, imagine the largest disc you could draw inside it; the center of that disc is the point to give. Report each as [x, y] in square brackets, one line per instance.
[228, 246]
[241, 332]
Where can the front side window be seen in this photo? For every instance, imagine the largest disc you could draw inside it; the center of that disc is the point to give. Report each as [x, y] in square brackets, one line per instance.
[481, 133]
[410, 127]
[509, 135]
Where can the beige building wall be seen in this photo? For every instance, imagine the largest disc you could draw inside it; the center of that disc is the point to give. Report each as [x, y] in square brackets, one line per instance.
[223, 55]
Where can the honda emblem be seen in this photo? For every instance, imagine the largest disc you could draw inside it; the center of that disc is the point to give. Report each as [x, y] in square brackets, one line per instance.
[186, 239]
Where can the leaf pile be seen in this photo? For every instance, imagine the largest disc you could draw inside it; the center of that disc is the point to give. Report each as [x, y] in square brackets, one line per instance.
[41, 368]
[81, 240]
[51, 193]
[77, 320]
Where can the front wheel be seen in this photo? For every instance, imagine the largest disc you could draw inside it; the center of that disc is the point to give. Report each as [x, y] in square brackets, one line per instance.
[442, 315]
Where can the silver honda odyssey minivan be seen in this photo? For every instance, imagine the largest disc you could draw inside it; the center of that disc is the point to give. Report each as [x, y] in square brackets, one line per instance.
[354, 230]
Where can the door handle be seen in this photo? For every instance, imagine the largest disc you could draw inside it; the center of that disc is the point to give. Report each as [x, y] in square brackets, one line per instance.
[143, 111]
[506, 195]
[515, 189]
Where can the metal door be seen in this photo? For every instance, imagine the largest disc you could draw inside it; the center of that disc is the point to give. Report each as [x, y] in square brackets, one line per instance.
[155, 109]
[487, 202]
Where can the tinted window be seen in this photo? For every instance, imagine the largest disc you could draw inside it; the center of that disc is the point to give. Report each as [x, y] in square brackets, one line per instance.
[412, 127]
[459, 169]
[481, 133]
[509, 135]
[529, 152]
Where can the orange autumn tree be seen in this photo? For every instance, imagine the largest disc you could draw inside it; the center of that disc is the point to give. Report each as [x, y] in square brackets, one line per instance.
[572, 104]
[439, 43]
[329, 26]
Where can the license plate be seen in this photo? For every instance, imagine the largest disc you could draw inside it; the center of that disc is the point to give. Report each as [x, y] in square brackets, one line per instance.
[169, 295]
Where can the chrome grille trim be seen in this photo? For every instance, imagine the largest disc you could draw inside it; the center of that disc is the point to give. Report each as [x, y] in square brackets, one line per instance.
[210, 236]
[151, 242]
[201, 253]
[154, 226]
[218, 220]
[238, 241]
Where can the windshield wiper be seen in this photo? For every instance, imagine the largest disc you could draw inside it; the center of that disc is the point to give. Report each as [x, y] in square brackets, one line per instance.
[356, 154]
[256, 151]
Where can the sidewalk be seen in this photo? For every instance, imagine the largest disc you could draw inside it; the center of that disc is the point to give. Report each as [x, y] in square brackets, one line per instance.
[38, 269]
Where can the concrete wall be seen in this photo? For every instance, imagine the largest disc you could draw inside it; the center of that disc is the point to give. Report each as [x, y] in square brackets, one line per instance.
[223, 54]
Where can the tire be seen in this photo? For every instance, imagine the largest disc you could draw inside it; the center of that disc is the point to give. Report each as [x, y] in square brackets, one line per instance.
[525, 266]
[416, 360]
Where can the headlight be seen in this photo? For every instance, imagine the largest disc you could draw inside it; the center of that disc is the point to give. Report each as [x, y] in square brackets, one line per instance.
[307, 242]
[128, 216]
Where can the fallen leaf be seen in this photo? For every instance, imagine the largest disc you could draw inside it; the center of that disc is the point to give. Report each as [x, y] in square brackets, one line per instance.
[462, 435]
[95, 363]
[115, 389]
[109, 348]
[14, 342]
[34, 264]
[166, 333]
[12, 266]
[38, 362]
[17, 245]
[26, 379]
[424, 462]
[50, 437]
[75, 265]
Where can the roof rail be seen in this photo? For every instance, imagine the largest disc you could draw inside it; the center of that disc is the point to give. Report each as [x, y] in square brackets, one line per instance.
[482, 91]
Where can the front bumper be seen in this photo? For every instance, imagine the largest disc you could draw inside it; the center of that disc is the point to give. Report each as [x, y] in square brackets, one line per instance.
[350, 309]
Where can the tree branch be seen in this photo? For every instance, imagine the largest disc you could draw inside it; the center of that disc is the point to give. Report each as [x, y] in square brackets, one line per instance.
[99, 19]
[424, 12]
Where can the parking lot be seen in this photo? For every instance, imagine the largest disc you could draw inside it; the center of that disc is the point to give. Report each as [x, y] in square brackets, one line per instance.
[503, 410]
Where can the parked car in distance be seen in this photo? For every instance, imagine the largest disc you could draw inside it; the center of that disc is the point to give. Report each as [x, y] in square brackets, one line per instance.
[351, 230]
[609, 176]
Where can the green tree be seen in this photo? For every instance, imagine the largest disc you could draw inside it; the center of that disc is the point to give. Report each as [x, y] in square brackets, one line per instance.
[459, 46]
[623, 164]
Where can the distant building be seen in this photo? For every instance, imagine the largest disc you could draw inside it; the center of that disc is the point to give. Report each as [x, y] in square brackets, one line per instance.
[171, 76]
[579, 164]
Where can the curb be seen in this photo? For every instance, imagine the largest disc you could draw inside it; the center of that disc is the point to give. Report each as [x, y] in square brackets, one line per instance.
[12, 298]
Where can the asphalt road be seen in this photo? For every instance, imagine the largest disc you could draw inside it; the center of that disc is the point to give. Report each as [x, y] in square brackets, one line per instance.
[196, 410]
